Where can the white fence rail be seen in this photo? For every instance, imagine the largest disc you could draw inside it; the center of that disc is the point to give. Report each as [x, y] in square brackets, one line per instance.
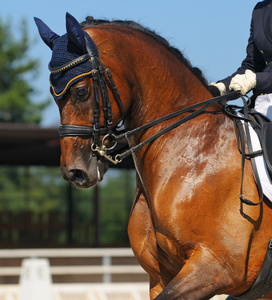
[77, 252]
[102, 291]
[73, 291]
[29, 286]
[106, 268]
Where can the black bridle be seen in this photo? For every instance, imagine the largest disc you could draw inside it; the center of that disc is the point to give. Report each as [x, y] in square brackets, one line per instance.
[102, 80]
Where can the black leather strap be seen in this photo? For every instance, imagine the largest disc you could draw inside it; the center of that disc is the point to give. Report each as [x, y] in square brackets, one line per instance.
[75, 130]
[251, 154]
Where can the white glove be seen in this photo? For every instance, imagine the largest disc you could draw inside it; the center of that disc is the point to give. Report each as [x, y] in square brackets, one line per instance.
[221, 87]
[243, 82]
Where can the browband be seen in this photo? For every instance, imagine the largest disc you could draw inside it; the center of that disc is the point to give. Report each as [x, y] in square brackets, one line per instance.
[70, 65]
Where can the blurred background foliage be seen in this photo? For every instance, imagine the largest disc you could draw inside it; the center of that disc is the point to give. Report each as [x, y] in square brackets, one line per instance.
[34, 209]
[33, 200]
[17, 76]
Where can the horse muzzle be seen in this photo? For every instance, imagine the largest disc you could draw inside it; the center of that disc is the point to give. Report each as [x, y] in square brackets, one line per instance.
[84, 176]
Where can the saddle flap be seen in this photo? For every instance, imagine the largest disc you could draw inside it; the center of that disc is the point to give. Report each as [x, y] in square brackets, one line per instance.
[267, 145]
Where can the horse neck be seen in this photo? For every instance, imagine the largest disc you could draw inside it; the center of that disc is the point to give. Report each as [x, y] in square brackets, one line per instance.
[152, 80]
[161, 82]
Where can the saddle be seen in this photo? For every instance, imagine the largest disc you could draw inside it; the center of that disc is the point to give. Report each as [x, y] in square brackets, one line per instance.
[245, 117]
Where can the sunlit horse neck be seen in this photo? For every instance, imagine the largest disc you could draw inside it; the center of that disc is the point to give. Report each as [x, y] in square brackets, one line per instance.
[156, 78]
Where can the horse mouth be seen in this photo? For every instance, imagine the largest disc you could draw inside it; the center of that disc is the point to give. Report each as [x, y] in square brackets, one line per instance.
[83, 178]
[82, 181]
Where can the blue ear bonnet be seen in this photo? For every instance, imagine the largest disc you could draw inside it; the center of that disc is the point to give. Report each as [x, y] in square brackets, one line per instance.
[64, 53]
[71, 56]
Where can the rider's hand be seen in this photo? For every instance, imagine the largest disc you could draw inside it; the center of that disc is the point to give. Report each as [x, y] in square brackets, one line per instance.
[220, 86]
[243, 82]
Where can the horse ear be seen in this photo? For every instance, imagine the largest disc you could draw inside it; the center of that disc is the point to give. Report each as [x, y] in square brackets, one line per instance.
[47, 35]
[75, 33]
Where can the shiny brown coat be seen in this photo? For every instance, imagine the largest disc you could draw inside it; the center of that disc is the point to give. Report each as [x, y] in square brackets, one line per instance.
[187, 226]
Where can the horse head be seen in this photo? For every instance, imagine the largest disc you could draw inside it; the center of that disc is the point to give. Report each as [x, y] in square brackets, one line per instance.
[79, 87]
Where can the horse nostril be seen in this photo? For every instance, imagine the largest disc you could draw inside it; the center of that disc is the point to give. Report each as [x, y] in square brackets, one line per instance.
[76, 175]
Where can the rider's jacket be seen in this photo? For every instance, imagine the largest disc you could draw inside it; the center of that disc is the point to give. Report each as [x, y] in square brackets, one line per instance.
[259, 49]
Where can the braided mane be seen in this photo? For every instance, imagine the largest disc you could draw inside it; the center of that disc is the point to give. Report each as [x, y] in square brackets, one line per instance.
[90, 21]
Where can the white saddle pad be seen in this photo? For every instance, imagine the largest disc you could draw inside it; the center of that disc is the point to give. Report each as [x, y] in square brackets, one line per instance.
[265, 179]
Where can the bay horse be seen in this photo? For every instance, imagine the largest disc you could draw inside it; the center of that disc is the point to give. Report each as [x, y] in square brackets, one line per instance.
[187, 227]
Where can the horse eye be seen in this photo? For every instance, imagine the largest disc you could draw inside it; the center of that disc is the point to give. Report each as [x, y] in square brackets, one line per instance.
[82, 92]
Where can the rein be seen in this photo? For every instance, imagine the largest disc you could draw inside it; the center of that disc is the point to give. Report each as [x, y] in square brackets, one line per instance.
[89, 131]
[203, 105]
[102, 79]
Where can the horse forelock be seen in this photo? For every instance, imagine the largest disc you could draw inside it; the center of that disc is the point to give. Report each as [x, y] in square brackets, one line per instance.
[90, 22]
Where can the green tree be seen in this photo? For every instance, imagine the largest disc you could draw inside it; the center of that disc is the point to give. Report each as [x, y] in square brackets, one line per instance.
[33, 204]
[17, 72]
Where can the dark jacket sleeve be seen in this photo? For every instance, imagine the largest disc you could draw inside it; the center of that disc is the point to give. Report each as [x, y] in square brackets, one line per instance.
[264, 82]
[255, 62]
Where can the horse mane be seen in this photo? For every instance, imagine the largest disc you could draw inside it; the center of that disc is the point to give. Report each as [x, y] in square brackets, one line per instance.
[90, 21]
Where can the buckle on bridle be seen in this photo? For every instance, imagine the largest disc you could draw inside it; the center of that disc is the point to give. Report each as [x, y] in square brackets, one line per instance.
[103, 149]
